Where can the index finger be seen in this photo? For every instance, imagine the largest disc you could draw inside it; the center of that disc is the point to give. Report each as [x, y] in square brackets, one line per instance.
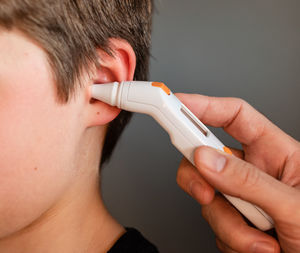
[234, 115]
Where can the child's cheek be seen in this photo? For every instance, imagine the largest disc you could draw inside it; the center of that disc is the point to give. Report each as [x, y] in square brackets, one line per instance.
[30, 184]
[25, 197]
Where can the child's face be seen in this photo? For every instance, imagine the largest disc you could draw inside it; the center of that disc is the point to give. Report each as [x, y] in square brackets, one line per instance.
[38, 137]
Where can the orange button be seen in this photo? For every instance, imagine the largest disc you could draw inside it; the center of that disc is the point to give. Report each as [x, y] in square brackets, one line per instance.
[227, 150]
[162, 86]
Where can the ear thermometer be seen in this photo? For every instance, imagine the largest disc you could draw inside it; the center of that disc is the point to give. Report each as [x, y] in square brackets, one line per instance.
[186, 131]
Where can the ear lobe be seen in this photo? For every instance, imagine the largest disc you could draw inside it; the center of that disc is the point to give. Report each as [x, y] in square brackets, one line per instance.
[116, 68]
[104, 115]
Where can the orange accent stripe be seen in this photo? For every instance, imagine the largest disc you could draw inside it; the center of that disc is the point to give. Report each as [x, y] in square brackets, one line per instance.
[227, 150]
[162, 86]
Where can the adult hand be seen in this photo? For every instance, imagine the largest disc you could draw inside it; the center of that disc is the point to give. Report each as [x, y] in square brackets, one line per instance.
[266, 173]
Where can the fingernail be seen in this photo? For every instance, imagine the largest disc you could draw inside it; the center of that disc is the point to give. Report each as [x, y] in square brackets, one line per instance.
[263, 247]
[213, 160]
[195, 188]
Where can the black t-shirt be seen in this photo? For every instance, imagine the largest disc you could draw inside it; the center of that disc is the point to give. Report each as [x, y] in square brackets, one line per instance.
[133, 242]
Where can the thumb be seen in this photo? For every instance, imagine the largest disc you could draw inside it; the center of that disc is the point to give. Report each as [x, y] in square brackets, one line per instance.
[235, 177]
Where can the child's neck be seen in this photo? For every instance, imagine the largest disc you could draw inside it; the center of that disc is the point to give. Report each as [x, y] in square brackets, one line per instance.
[79, 222]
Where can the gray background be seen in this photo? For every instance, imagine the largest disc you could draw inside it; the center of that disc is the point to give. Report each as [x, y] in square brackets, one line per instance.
[248, 49]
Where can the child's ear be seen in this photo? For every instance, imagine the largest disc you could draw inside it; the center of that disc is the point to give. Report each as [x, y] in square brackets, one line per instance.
[118, 67]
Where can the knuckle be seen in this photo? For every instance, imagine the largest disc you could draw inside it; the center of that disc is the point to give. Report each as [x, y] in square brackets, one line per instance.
[205, 213]
[208, 213]
[220, 245]
[223, 247]
[185, 174]
[180, 172]
[249, 176]
[240, 102]
[179, 176]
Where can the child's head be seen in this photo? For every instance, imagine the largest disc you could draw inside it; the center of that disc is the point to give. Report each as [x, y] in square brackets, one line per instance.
[51, 131]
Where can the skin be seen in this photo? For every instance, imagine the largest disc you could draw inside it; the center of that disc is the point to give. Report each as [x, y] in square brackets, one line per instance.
[266, 173]
[49, 179]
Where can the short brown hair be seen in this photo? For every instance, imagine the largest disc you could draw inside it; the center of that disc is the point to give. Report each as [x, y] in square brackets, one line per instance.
[70, 31]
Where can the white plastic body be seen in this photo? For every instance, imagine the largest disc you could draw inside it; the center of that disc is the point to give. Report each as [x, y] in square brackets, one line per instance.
[186, 131]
